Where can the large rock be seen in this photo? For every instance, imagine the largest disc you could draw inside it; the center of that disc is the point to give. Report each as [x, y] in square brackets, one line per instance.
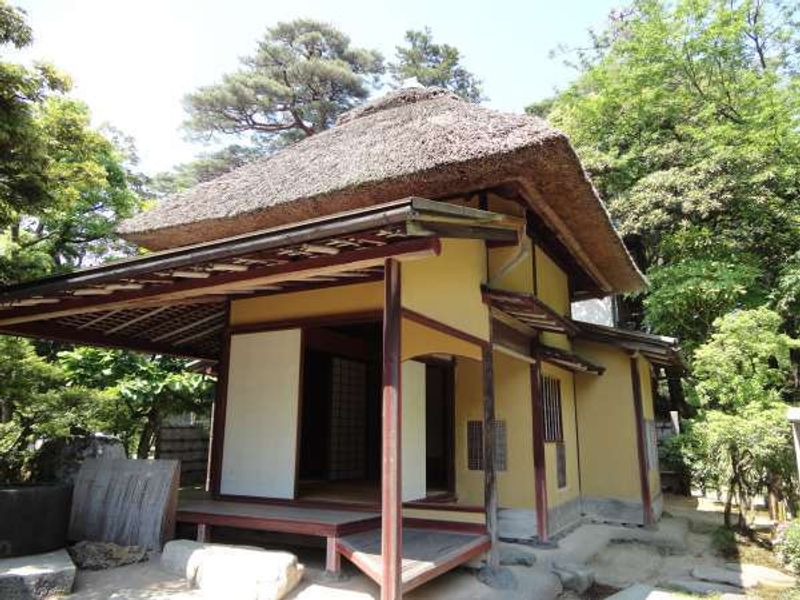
[36, 577]
[575, 577]
[240, 572]
[60, 459]
[96, 556]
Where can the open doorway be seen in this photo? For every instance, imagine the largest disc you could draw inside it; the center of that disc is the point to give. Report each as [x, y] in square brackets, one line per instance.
[340, 417]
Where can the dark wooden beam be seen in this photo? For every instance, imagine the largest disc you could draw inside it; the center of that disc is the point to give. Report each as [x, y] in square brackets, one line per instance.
[220, 282]
[391, 469]
[638, 409]
[539, 464]
[427, 321]
[220, 410]
[489, 474]
[48, 330]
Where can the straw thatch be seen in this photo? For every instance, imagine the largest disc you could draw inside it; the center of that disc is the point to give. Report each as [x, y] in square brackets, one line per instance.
[416, 141]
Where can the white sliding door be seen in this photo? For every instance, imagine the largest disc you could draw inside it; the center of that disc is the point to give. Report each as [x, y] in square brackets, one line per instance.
[413, 430]
[262, 411]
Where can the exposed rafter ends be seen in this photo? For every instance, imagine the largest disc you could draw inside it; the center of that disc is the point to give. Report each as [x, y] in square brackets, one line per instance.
[528, 310]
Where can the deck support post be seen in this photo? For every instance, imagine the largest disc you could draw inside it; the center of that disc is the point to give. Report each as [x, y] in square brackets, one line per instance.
[489, 475]
[539, 464]
[644, 480]
[391, 473]
[333, 562]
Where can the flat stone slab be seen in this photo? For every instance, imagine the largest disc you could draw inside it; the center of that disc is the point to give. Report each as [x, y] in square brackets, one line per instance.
[638, 591]
[765, 576]
[36, 577]
[701, 588]
[241, 572]
[744, 576]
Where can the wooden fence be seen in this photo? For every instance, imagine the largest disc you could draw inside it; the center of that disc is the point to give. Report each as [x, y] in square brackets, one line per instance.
[189, 445]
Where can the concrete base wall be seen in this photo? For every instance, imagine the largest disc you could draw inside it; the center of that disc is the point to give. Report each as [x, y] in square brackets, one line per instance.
[564, 516]
[616, 510]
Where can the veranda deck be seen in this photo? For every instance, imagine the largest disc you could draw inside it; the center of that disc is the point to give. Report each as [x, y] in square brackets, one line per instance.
[427, 553]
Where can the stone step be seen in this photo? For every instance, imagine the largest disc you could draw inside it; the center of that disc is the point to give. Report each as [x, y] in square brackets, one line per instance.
[37, 576]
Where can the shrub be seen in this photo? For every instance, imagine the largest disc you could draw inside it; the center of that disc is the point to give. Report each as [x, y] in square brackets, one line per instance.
[788, 545]
[723, 542]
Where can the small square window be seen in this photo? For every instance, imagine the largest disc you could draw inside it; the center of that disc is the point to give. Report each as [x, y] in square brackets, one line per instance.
[561, 464]
[475, 446]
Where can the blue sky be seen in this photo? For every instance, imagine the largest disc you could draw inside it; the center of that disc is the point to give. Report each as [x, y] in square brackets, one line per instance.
[132, 61]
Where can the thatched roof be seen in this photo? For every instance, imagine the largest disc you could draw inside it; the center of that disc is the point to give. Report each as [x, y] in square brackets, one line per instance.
[414, 141]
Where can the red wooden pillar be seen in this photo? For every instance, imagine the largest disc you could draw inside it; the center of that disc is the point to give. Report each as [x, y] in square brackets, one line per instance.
[489, 475]
[391, 493]
[539, 464]
[641, 448]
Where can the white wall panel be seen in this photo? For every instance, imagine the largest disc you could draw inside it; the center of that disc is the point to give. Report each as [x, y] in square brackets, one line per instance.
[413, 430]
[262, 412]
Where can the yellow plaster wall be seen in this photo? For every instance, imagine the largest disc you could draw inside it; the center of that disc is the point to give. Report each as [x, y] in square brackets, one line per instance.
[512, 405]
[648, 410]
[552, 287]
[419, 340]
[520, 277]
[607, 425]
[445, 515]
[556, 495]
[311, 303]
[447, 287]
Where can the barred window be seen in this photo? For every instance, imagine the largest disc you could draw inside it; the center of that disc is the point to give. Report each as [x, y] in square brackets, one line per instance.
[475, 446]
[551, 403]
[561, 464]
[651, 444]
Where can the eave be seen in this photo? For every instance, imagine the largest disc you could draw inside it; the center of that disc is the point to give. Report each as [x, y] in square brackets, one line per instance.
[175, 301]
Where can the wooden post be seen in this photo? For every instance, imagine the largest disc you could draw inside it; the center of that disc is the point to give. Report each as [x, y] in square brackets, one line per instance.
[489, 475]
[333, 563]
[539, 464]
[391, 468]
[644, 479]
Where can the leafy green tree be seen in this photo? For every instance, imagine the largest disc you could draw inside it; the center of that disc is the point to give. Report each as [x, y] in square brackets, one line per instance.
[36, 403]
[24, 161]
[686, 116]
[434, 64]
[741, 382]
[687, 296]
[141, 389]
[205, 167]
[303, 75]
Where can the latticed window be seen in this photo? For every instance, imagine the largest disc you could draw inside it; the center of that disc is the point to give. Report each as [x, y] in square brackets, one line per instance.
[551, 404]
[561, 464]
[475, 446]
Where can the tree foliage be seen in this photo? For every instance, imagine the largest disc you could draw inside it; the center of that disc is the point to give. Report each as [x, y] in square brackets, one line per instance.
[686, 116]
[303, 75]
[434, 64]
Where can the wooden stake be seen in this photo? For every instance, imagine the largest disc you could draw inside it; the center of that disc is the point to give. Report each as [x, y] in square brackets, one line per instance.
[489, 475]
[391, 482]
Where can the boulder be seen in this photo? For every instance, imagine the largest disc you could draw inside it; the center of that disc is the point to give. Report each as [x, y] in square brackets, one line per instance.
[36, 577]
[96, 556]
[575, 577]
[60, 459]
[240, 572]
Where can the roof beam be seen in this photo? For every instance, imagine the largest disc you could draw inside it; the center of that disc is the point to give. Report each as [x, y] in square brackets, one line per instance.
[224, 282]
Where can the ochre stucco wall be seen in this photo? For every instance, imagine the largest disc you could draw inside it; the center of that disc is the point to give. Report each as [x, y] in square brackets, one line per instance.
[512, 405]
[555, 495]
[607, 426]
[419, 340]
[312, 303]
[552, 287]
[447, 287]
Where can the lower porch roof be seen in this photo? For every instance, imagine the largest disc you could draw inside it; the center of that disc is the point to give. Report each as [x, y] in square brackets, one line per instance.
[176, 301]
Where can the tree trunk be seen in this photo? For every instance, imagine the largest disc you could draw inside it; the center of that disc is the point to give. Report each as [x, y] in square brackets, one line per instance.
[147, 437]
[729, 502]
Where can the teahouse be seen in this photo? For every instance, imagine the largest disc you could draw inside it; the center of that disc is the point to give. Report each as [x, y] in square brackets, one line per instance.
[389, 305]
